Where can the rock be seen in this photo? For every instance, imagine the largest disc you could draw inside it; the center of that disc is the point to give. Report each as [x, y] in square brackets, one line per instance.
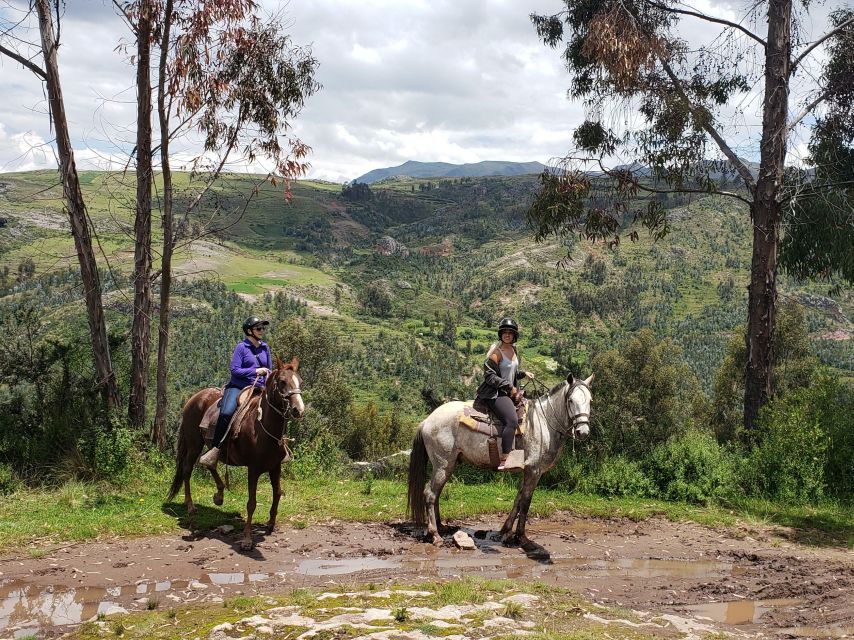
[403, 284]
[525, 599]
[463, 540]
[224, 529]
[195, 584]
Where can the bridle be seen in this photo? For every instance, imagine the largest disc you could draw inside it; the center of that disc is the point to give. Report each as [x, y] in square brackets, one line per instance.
[580, 419]
[285, 398]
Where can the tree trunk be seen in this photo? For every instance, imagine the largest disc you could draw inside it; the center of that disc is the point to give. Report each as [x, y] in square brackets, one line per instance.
[141, 329]
[766, 213]
[76, 209]
[158, 431]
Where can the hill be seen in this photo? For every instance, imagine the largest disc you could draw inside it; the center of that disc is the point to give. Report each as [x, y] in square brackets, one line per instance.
[414, 169]
[410, 278]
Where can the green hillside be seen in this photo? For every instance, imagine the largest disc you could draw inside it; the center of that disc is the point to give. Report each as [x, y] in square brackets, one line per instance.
[412, 275]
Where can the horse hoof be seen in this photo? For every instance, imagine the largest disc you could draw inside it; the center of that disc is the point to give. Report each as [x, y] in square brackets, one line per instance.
[247, 545]
[191, 510]
[437, 541]
[217, 499]
[269, 529]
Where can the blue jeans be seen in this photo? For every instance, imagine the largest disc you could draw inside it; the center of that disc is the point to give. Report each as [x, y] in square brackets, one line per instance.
[227, 407]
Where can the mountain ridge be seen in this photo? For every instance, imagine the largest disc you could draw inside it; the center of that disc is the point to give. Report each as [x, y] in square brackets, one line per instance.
[485, 168]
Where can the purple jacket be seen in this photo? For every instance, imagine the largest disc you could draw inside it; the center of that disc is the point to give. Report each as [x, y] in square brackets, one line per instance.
[245, 360]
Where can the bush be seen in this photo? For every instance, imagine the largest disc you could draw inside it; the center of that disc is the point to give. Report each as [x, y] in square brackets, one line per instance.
[315, 449]
[9, 482]
[644, 394]
[690, 468]
[788, 461]
[617, 477]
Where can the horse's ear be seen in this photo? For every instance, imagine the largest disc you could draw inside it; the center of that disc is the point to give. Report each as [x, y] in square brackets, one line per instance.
[589, 380]
[279, 363]
[294, 363]
[570, 379]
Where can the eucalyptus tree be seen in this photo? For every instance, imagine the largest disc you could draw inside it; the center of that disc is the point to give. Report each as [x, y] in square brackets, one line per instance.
[665, 104]
[75, 205]
[232, 75]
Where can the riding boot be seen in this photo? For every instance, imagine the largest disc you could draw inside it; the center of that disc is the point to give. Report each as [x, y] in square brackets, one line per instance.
[515, 461]
[209, 460]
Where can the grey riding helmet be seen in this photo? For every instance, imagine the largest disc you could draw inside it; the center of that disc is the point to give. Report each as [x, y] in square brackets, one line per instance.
[508, 324]
[253, 321]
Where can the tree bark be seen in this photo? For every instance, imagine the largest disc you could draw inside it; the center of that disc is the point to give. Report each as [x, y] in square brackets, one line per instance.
[766, 213]
[141, 328]
[158, 430]
[76, 208]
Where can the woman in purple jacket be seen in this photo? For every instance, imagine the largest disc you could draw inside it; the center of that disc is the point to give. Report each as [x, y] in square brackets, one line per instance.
[251, 362]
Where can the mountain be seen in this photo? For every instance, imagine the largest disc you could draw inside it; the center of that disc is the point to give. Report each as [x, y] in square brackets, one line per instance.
[414, 169]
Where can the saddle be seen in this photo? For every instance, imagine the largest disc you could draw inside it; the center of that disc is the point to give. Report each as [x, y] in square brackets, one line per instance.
[211, 416]
[477, 417]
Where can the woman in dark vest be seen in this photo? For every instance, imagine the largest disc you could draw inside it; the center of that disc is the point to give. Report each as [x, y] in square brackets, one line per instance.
[251, 362]
[498, 390]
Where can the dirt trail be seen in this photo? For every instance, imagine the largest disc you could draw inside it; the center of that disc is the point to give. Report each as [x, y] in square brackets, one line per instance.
[751, 582]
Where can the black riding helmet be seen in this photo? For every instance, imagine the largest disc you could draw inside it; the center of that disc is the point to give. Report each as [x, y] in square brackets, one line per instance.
[253, 321]
[508, 324]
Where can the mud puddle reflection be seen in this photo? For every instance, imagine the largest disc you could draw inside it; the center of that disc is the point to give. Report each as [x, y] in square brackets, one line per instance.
[27, 609]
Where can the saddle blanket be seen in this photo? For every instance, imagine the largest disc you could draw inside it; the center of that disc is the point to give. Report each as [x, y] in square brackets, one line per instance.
[486, 424]
[211, 416]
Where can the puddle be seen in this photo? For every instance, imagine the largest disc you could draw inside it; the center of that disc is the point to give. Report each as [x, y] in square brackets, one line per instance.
[349, 565]
[26, 609]
[740, 611]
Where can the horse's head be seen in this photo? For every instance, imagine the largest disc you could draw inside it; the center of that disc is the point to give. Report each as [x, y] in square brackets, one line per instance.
[578, 403]
[285, 387]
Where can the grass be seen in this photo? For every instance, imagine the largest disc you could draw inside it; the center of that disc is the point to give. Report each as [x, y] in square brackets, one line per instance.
[36, 519]
[557, 614]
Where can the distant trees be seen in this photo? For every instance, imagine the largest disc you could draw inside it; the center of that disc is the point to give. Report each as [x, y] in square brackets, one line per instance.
[626, 54]
[357, 192]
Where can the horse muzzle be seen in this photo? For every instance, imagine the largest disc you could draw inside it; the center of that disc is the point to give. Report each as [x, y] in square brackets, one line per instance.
[581, 432]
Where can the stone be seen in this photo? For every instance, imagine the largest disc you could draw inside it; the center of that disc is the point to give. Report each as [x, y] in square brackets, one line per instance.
[464, 541]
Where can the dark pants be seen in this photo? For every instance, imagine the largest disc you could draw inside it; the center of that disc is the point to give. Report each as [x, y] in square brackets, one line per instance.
[504, 408]
[226, 409]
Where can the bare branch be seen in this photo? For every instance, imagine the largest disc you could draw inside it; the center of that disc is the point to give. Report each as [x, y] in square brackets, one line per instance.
[822, 39]
[32, 66]
[131, 24]
[708, 18]
[821, 97]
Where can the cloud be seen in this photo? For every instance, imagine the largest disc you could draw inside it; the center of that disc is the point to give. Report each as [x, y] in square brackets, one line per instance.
[444, 80]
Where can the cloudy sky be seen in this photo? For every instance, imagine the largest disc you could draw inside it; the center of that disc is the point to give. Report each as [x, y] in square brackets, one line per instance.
[453, 81]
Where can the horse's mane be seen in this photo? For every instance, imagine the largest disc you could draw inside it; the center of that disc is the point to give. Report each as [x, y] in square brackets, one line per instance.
[556, 388]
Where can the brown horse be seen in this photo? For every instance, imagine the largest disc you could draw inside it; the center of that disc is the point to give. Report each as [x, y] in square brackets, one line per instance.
[259, 444]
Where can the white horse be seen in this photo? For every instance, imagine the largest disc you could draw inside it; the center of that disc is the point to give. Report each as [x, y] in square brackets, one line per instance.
[561, 413]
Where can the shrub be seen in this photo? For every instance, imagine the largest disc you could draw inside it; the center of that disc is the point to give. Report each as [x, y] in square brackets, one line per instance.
[788, 461]
[690, 468]
[618, 476]
[9, 482]
[643, 394]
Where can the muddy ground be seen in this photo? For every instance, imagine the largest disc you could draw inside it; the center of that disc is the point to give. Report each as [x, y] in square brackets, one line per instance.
[755, 581]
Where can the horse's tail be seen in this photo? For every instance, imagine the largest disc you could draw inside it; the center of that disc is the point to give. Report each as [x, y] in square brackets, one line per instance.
[180, 464]
[417, 504]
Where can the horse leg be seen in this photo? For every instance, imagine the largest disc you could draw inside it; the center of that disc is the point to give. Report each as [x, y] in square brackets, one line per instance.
[220, 487]
[526, 491]
[275, 482]
[246, 544]
[189, 460]
[432, 492]
[526, 494]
